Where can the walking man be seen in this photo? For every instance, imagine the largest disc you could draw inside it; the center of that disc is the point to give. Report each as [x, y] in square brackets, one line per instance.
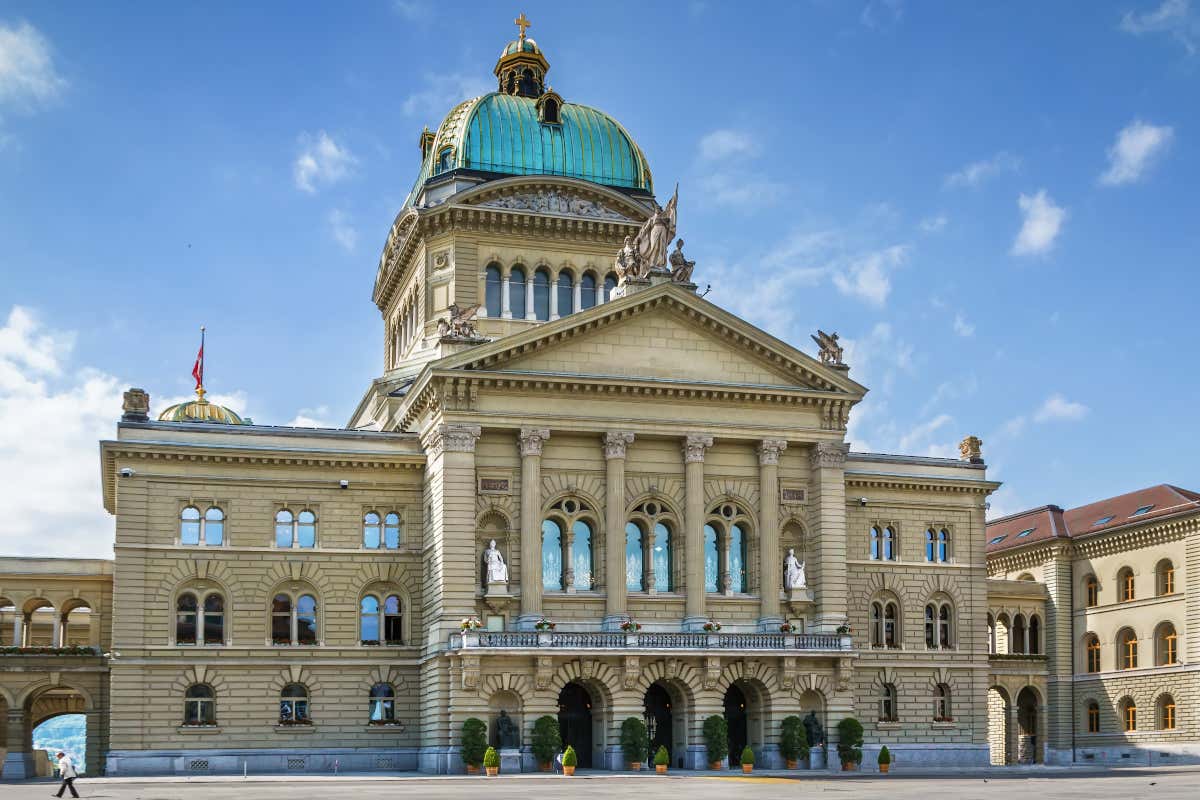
[66, 771]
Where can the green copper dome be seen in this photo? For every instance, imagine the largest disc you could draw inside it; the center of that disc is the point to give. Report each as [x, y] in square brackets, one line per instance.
[525, 45]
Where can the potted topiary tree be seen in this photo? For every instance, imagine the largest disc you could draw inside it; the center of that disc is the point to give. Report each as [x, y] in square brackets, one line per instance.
[546, 741]
[661, 759]
[491, 762]
[885, 760]
[569, 761]
[635, 741]
[747, 760]
[474, 744]
[716, 740]
[793, 741]
[850, 739]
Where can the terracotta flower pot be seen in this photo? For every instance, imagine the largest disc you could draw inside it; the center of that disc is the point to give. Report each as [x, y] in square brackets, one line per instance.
[792, 764]
[472, 769]
[847, 766]
[661, 769]
[716, 765]
[568, 770]
[636, 766]
[492, 771]
[884, 768]
[747, 768]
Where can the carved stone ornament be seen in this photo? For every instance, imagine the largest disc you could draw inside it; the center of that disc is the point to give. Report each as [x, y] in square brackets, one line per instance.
[615, 443]
[453, 439]
[554, 201]
[681, 268]
[461, 324]
[712, 671]
[136, 406]
[971, 449]
[787, 672]
[543, 672]
[695, 446]
[470, 672]
[532, 439]
[829, 454]
[828, 348]
[769, 450]
[633, 671]
[845, 673]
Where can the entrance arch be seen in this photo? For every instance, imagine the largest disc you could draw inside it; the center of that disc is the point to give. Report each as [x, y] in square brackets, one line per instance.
[575, 721]
[1028, 740]
[999, 712]
[735, 718]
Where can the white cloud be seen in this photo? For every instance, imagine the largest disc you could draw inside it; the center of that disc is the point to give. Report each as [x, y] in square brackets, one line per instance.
[1058, 408]
[977, 172]
[1137, 147]
[934, 224]
[867, 275]
[51, 416]
[724, 178]
[881, 13]
[311, 418]
[962, 327]
[919, 434]
[322, 161]
[727, 143]
[1041, 223]
[441, 92]
[28, 77]
[343, 232]
[1172, 17]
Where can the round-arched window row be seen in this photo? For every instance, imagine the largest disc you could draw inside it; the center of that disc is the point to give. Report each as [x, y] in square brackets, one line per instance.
[200, 618]
[518, 294]
[567, 541]
[200, 705]
[649, 556]
[382, 531]
[726, 549]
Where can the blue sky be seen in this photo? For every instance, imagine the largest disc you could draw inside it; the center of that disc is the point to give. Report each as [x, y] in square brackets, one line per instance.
[995, 205]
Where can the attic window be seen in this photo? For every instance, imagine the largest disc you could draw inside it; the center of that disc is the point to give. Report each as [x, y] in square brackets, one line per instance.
[1104, 520]
[444, 158]
[550, 112]
[1025, 533]
[998, 539]
[1141, 510]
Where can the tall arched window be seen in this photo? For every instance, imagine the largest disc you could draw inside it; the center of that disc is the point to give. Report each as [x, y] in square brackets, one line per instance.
[293, 705]
[1091, 591]
[189, 526]
[610, 283]
[381, 707]
[875, 549]
[1166, 644]
[186, 609]
[552, 547]
[887, 703]
[930, 535]
[199, 705]
[214, 527]
[634, 558]
[884, 623]
[1128, 715]
[938, 625]
[566, 293]
[653, 569]
[372, 531]
[492, 286]
[662, 558]
[213, 624]
[1125, 585]
[1166, 713]
[368, 621]
[294, 619]
[1035, 635]
[943, 546]
[937, 545]
[1165, 577]
[1016, 642]
[883, 543]
[1093, 717]
[306, 529]
[728, 524]
[516, 292]
[393, 531]
[1128, 644]
[581, 555]
[737, 559]
[587, 291]
[712, 559]
[889, 544]
[541, 294]
[991, 629]
[306, 619]
[941, 704]
[299, 530]
[567, 554]
[1091, 647]
[381, 531]
[285, 523]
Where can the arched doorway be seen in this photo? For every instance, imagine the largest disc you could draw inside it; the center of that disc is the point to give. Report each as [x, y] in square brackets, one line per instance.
[735, 718]
[66, 732]
[660, 721]
[1028, 741]
[999, 710]
[575, 721]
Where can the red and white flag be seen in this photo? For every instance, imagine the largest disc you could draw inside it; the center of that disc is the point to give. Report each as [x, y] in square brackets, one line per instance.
[198, 367]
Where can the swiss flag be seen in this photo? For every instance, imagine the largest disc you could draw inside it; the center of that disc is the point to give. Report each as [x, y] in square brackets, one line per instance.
[198, 367]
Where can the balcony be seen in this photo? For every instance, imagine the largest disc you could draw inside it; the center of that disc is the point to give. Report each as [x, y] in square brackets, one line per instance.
[46, 650]
[817, 643]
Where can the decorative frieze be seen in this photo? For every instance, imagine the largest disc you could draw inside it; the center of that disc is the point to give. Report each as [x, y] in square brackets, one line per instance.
[532, 440]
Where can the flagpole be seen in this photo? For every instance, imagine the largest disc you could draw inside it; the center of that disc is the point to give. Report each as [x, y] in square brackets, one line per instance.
[200, 388]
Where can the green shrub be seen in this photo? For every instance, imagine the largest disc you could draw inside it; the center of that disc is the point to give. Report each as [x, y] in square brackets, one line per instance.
[850, 739]
[635, 741]
[569, 757]
[474, 741]
[793, 739]
[884, 756]
[662, 757]
[546, 740]
[747, 756]
[716, 738]
[491, 758]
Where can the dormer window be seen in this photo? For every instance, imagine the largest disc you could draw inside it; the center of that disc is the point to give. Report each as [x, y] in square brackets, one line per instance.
[549, 108]
[445, 158]
[550, 112]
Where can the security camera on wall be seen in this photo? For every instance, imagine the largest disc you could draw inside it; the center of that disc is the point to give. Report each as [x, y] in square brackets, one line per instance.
[126, 472]
[344, 484]
[862, 501]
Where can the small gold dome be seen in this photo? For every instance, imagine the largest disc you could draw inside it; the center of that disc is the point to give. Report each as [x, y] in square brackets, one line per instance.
[200, 410]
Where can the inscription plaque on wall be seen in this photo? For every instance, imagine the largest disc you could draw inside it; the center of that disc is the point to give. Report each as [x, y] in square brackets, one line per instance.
[493, 485]
[790, 495]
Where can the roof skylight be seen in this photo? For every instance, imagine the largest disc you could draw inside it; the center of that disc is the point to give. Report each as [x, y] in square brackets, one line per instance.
[1025, 533]
[998, 539]
[1104, 520]
[1142, 510]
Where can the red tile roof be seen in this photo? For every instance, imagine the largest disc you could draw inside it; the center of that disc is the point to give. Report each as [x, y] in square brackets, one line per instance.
[1051, 522]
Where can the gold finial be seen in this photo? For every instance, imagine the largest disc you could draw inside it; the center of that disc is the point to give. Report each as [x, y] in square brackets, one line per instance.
[522, 22]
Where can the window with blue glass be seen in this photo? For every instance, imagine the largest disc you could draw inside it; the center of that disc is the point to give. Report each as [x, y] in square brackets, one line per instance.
[516, 292]
[552, 570]
[726, 549]
[712, 559]
[634, 558]
[587, 291]
[566, 294]
[567, 555]
[493, 285]
[541, 294]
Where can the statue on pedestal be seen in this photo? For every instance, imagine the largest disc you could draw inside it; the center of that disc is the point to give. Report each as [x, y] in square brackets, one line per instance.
[681, 268]
[628, 263]
[507, 735]
[793, 572]
[493, 562]
[461, 324]
[655, 235]
[812, 726]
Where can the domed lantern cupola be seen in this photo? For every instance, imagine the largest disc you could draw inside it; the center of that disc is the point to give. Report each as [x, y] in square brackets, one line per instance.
[521, 69]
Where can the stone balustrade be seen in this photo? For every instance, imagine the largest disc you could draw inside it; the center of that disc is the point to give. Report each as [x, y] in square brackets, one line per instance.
[642, 641]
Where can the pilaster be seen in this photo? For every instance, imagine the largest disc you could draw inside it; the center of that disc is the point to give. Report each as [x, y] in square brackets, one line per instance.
[694, 448]
[828, 471]
[615, 605]
[769, 573]
[18, 761]
[531, 441]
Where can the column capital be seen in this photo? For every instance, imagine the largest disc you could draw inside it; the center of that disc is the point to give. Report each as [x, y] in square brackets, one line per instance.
[532, 439]
[769, 450]
[694, 447]
[829, 454]
[615, 443]
[452, 439]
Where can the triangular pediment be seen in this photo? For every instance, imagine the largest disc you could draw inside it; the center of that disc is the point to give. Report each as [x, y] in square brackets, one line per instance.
[553, 196]
[666, 333]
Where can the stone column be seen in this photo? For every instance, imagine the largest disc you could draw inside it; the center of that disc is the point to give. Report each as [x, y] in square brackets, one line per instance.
[577, 295]
[770, 568]
[531, 441]
[828, 475]
[56, 635]
[18, 761]
[18, 619]
[505, 307]
[615, 606]
[554, 298]
[694, 448]
[530, 313]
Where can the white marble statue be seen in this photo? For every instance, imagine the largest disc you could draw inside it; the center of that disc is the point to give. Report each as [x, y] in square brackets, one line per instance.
[497, 570]
[793, 572]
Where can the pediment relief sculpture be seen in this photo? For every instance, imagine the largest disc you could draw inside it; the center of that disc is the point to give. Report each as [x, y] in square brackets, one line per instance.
[554, 201]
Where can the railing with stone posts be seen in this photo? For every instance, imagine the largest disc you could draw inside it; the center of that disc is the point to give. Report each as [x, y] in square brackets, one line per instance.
[610, 640]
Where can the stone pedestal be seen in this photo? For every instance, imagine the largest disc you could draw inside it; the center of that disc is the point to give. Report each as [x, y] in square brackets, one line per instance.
[816, 758]
[498, 589]
[510, 761]
[801, 594]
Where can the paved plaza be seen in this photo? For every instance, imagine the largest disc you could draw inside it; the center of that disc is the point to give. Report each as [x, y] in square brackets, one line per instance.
[1050, 784]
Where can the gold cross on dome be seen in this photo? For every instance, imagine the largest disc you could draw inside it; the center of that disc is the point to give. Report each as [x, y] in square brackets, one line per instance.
[522, 22]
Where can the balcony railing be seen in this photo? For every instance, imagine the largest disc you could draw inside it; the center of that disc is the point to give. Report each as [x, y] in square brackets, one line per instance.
[606, 640]
[46, 650]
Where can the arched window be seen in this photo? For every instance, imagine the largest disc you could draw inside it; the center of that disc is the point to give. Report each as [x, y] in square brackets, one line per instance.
[541, 294]
[199, 705]
[1165, 577]
[293, 620]
[1025, 576]
[285, 524]
[587, 291]
[1091, 647]
[884, 623]
[1016, 642]
[444, 159]
[883, 543]
[1128, 644]
[889, 544]
[1166, 713]
[552, 570]
[381, 531]
[930, 551]
[550, 111]
[1166, 644]
[186, 609]
[1125, 585]
[941, 704]
[393, 531]
[1035, 635]
[393, 618]
[368, 621]
[937, 545]
[737, 559]
[1093, 717]
[189, 526]
[991, 629]
[1091, 591]
[293, 705]
[648, 548]
[712, 559]
[306, 529]
[634, 558]
[661, 557]
[566, 293]
[887, 703]
[875, 551]
[200, 620]
[306, 619]
[610, 283]
[516, 292]
[567, 553]
[1128, 715]
[943, 546]
[382, 704]
[210, 529]
[372, 532]
[298, 530]
[214, 527]
[213, 624]
[581, 553]
[939, 617]
[492, 285]
[728, 525]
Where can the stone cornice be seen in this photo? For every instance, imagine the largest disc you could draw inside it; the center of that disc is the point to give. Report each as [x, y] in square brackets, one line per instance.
[926, 483]
[1103, 543]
